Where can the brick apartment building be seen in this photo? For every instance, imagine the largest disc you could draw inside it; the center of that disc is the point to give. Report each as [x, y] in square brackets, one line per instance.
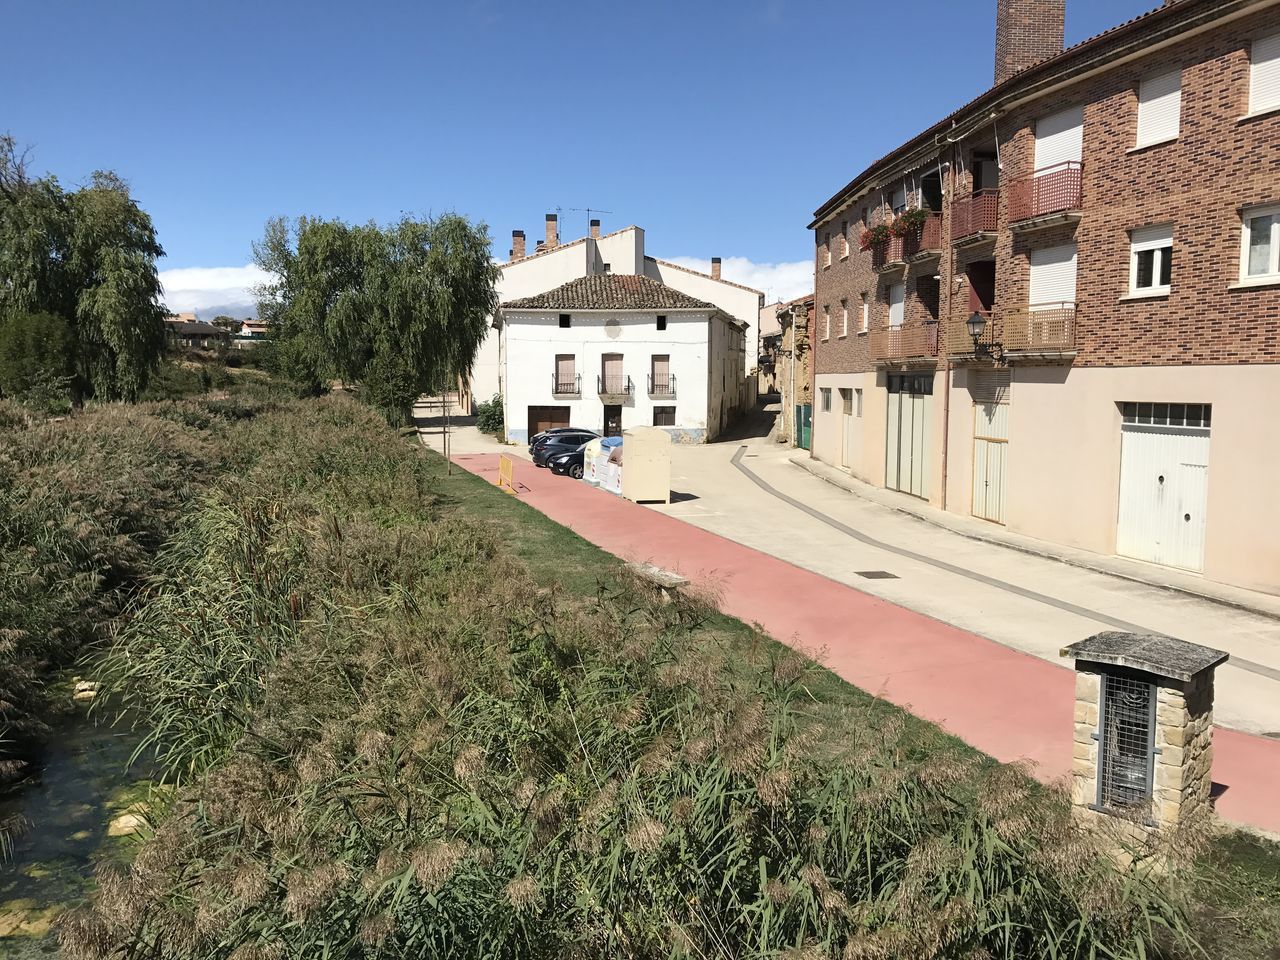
[1106, 219]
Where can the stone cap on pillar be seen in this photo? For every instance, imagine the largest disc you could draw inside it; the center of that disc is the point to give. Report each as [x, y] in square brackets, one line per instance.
[1149, 652]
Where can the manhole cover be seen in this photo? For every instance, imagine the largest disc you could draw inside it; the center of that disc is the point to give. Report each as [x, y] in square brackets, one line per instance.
[877, 574]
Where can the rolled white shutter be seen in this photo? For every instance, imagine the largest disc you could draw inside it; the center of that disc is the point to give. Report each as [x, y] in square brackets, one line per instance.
[1060, 138]
[1053, 275]
[897, 296]
[1264, 74]
[1159, 108]
[899, 197]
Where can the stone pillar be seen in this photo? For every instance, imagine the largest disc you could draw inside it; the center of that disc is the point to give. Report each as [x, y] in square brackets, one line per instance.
[1143, 745]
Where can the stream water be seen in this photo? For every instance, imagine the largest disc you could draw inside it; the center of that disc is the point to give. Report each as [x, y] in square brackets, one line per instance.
[83, 783]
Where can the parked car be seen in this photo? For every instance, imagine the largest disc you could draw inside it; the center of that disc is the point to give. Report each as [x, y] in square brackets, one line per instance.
[558, 443]
[555, 431]
[569, 464]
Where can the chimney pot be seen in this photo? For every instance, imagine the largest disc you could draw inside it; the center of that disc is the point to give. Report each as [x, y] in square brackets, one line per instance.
[1027, 31]
[553, 233]
[517, 244]
[715, 268]
[595, 229]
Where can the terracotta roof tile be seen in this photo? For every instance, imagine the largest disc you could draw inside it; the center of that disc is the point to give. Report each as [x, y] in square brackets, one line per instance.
[610, 291]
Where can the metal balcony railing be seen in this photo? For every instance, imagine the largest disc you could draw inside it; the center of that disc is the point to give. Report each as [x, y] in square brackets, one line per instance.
[890, 253]
[911, 341]
[662, 386]
[614, 386]
[977, 213]
[571, 387]
[1052, 189]
[1040, 328]
[925, 239]
[960, 344]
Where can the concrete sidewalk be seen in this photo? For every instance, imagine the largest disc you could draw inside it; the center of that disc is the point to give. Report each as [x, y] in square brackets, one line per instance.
[1010, 704]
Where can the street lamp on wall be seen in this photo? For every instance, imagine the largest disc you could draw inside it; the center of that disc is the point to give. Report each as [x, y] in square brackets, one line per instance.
[976, 324]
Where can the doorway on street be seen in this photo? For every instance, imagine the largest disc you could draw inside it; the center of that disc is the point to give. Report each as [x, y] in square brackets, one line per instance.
[546, 418]
[990, 392]
[847, 438]
[908, 433]
[613, 419]
[1164, 483]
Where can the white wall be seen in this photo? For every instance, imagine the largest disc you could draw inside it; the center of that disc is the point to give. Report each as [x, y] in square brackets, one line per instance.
[738, 302]
[534, 338]
[623, 251]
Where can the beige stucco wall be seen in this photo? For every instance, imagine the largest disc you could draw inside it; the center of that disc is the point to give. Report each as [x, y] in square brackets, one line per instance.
[866, 447]
[1063, 471]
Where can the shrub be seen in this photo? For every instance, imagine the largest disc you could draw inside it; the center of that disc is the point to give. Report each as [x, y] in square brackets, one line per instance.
[36, 352]
[489, 417]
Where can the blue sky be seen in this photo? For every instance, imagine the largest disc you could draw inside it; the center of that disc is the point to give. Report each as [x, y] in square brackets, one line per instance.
[717, 127]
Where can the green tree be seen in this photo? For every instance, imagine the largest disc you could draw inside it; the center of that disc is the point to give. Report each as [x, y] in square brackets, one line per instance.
[223, 322]
[89, 257]
[398, 310]
[36, 359]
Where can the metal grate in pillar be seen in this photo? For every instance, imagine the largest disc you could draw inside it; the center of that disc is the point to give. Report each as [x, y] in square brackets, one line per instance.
[1126, 741]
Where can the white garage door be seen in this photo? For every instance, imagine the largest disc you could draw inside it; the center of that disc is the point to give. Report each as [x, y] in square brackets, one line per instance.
[1164, 483]
[908, 433]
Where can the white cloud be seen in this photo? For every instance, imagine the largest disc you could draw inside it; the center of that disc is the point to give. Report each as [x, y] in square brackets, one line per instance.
[778, 281]
[204, 289]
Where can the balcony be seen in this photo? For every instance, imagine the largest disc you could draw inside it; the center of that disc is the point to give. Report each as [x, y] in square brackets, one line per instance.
[975, 218]
[1042, 329]
[1045, 330]
[1046, 198]
[566, 386]
[664, 386]
[889, 255]
[925, 241]
[911, 341]
[614, 388]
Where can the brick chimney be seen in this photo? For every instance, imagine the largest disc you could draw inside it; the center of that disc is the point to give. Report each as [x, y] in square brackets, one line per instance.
[517, 244]
[715, 268]
[1027, 31]
[595, 229]
[553, 231]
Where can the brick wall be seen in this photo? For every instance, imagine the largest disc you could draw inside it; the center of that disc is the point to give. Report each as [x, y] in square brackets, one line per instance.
[1199, 183]
[1027, 31]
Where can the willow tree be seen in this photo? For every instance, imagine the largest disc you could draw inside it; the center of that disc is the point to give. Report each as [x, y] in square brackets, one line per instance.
[399, 310]
[89, 257]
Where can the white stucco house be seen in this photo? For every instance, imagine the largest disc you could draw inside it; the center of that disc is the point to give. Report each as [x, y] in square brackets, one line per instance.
[611, 351]
[621, 253]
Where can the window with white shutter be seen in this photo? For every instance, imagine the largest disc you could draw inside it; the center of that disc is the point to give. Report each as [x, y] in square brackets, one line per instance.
[899, 199]
[1053, 276]
[826, 323]
[1060, 138]
[1264, 75]
[1151, 260]
[866, 314]
[1159, 108]
[897, 297]
[1260, 245]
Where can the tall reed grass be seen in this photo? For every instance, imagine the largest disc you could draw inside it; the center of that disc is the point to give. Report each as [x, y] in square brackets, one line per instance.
[387, 741]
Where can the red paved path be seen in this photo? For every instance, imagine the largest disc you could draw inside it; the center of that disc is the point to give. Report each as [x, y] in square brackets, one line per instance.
[1007, 703]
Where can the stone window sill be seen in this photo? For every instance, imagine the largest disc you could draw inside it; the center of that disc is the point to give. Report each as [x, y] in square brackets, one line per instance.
[1145, 295]
[1264, 112]
[863, 333]
[1272, 280]
[1154, 143]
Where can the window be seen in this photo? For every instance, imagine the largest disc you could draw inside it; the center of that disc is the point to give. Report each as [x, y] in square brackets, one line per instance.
[564, 321]
[846, 401]
[826, 322]
[1151, 260]
[1198, 415]
[661, 383]
[664, 416]
[866, 215]
[1053, 276]
[662, 323]
[857, 401]
[899, 199]
[866, 313]
[1059, 139]
[844, 318]
[844, 239]
[928, 292]
[825, 393]
[566, 373]
[1159, 108]
[1264, 75]
[1260, 244]
[897, 298]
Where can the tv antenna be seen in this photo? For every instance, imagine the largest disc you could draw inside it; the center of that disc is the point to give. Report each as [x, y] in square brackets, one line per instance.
[588, 211]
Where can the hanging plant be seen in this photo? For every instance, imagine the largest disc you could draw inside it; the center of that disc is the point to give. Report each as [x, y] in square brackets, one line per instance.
[909, 221]
[874, 236]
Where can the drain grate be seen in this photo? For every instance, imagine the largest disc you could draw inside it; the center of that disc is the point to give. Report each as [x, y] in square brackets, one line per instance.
[877, 574]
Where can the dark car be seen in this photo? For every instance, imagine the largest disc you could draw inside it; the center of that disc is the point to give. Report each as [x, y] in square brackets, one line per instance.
[569, 464]
[558, 443]
[555, 431]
